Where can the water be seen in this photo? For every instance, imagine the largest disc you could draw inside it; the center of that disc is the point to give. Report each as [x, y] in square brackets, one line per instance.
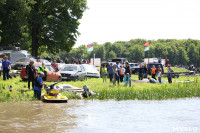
[81, 116]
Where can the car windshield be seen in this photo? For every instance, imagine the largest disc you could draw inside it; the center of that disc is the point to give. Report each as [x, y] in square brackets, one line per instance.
[89, 67]
[115, 60]
[50, 68]
[46, 61]
[133, 65]
[69, 68]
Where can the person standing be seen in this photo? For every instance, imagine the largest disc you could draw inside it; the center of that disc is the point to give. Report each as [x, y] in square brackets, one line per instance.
[30, 71]
[159, 60]
[38, 86]
[166, 61]
[115, 74]
[58, 60]
[54, 65]
[159, 73]
[140, 73]
[145, 71]
[128, 73]
[169, 74]
[153, 72]
[88, 62]
[6, 68]
[66, 60]
[44, 70]
[121, 73]
[110, 70]
[104, 73]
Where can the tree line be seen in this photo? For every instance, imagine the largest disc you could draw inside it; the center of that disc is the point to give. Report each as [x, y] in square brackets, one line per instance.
[40, 25]
[179, 52]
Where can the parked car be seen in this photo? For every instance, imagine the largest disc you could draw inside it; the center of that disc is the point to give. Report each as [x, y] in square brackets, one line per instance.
[149, 66]
[73, 72]
[60, 65]
[22, 63]
[52, 75]
[91, 71]
[134, 67]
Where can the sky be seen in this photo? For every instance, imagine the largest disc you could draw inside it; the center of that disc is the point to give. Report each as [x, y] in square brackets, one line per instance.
[123, 20]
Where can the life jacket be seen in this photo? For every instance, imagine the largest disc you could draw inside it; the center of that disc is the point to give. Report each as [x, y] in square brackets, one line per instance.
[153, 71]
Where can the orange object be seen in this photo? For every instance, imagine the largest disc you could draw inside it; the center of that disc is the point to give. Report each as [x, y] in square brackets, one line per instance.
[153, 71]
[146, 44]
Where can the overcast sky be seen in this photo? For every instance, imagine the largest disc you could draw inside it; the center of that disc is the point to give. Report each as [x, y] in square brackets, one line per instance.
[123, 20]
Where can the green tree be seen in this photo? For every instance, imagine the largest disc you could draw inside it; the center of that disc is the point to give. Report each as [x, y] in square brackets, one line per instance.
[100, 52]
[193, 54]
[112, 55]
[182, 56]
[13, 17]
[54, 24]
[136, 54]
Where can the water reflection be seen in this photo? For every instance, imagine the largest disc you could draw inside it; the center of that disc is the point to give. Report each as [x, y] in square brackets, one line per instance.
[100, 116]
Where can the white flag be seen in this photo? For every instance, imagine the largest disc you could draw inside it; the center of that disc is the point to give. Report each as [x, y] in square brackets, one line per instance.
[146, 48]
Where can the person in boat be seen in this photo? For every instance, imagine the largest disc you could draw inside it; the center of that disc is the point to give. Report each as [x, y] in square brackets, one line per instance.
[38, 85]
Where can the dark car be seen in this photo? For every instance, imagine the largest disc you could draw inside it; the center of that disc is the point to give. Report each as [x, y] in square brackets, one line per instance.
[22, 63]
[149, 66]
[73, 72]
[134, 67]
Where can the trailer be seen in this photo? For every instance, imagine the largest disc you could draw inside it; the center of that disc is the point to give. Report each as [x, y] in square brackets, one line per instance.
[14, 55]
[178, 74]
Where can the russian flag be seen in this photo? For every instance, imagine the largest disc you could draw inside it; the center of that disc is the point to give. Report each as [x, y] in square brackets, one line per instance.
[90, 45]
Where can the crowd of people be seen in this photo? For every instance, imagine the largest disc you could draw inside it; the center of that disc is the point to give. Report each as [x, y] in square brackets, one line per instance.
[67, 60]
[119, 73]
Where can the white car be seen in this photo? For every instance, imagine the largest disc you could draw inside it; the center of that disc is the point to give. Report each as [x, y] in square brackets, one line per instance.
[91, 70]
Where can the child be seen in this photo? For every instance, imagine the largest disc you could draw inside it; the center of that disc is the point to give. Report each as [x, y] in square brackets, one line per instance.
[127, 79]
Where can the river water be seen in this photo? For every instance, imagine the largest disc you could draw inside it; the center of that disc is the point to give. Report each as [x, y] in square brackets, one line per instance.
[89, 116]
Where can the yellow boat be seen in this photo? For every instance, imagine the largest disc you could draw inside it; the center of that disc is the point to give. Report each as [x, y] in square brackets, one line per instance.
[52, 95]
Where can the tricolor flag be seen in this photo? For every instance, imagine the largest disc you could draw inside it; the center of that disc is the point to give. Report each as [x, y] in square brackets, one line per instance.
[90, 49]
[146, 44]
[90, 45]
[146, 49]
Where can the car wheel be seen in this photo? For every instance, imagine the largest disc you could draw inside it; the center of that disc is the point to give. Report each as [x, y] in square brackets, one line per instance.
[59, 79]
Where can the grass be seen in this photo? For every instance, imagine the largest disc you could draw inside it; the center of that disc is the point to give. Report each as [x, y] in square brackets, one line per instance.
[140, 91]
[176, 69]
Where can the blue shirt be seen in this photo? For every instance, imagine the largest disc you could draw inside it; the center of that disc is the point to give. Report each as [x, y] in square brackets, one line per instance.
[39, 79]
[110, 69]
[6, 63]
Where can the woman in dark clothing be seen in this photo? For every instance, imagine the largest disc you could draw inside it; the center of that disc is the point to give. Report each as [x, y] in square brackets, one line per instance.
[145, 71]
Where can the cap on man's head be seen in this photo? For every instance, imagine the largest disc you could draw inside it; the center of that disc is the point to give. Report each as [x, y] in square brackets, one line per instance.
[168, 66]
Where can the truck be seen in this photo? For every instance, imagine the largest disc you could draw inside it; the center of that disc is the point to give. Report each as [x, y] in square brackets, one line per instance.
[153, 60]
[120, 60]
[14, 54]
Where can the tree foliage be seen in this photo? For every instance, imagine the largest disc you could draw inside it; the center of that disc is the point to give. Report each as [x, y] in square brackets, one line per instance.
[38, 25]
[184, 52]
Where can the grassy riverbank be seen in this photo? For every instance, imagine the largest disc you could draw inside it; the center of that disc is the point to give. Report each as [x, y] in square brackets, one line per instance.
[141, 91]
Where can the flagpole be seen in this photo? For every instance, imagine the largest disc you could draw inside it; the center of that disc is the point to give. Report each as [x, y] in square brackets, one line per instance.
[93, 58]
